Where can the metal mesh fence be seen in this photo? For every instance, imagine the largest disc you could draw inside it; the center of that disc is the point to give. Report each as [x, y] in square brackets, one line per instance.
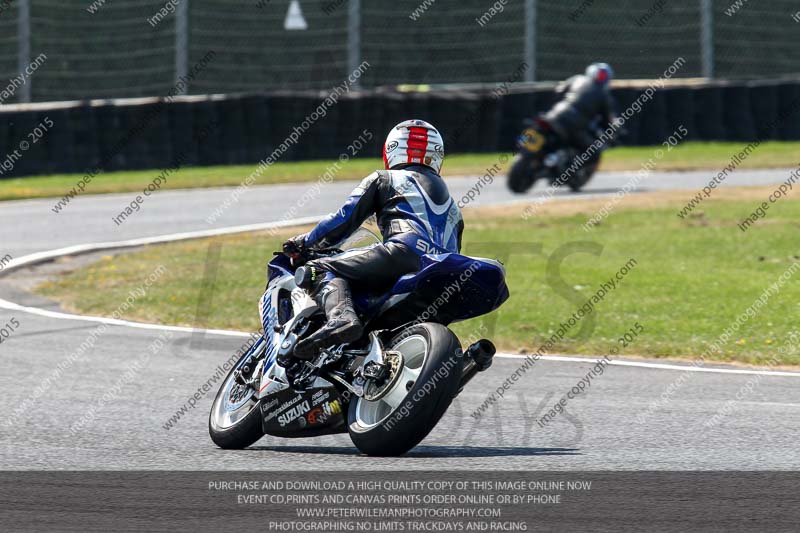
[116, 48]
[111, 53]
[9, 43]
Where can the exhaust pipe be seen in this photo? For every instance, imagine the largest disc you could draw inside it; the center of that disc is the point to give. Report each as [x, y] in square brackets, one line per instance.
[477, 358]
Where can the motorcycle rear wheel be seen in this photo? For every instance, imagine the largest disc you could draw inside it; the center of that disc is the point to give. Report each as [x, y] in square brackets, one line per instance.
[431, 375]
[583, 176]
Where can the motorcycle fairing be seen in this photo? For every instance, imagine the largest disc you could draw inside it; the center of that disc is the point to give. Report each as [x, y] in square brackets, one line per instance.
[311, 413]
[449, 286]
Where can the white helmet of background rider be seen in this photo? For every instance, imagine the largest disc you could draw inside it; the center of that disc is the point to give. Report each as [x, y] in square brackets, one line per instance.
[600, 73]
[414, 142]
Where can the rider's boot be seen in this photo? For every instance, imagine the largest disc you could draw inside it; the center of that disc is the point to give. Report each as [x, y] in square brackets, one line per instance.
[343, 323]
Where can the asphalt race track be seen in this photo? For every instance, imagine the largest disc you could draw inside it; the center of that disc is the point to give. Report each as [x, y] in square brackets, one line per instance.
[607, 428]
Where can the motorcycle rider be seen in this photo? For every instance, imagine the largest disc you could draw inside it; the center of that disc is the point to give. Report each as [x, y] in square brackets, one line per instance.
[415, 213]
[585, 99]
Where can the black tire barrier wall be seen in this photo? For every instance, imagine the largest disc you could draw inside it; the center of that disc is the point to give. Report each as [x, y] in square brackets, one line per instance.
[242, 130]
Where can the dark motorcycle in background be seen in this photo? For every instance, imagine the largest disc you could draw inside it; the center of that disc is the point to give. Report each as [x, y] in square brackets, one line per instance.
[541, 153]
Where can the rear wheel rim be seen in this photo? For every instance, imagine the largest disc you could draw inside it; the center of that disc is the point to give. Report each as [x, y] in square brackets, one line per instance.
[414, 350]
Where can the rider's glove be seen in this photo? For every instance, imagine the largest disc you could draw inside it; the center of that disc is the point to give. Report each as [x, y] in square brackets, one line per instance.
[294, 247]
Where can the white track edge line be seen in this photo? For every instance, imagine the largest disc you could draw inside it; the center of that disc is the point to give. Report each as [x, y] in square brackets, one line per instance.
[5, 304]
[50, 255]
[658, 366]
[41, 257]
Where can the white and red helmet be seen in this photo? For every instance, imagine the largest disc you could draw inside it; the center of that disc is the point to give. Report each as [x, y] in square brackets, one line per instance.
[600, 73]
[414, 142]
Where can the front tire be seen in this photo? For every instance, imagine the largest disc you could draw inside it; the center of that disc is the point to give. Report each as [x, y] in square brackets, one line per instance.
[521, 174]
[235, 419]
[431, 375]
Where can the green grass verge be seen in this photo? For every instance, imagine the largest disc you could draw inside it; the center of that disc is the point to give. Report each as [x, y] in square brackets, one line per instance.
[691, 155]
[691, 281]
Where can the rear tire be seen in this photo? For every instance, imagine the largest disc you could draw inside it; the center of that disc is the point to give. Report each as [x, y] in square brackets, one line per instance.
[583, 176]
[384, 431]
[521, 174]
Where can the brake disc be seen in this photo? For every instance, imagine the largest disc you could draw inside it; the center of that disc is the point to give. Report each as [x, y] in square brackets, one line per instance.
[393, 362]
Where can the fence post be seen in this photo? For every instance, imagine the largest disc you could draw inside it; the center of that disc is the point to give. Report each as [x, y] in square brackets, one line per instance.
[354, 39]
[707, 37]
[24, 47]
[530, 39]
[181, 46]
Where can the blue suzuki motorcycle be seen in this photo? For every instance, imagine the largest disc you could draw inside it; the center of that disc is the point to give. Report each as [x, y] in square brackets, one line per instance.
[390, 388]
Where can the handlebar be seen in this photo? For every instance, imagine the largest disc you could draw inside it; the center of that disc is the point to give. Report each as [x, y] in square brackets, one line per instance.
[304, 255]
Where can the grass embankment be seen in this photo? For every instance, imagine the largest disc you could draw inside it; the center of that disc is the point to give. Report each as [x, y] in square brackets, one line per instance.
[690, 155]
[691, 280]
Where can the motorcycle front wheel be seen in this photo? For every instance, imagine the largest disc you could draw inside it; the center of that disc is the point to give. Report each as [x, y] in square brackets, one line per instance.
[521, 174]
[235, 419]
[432, 364]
